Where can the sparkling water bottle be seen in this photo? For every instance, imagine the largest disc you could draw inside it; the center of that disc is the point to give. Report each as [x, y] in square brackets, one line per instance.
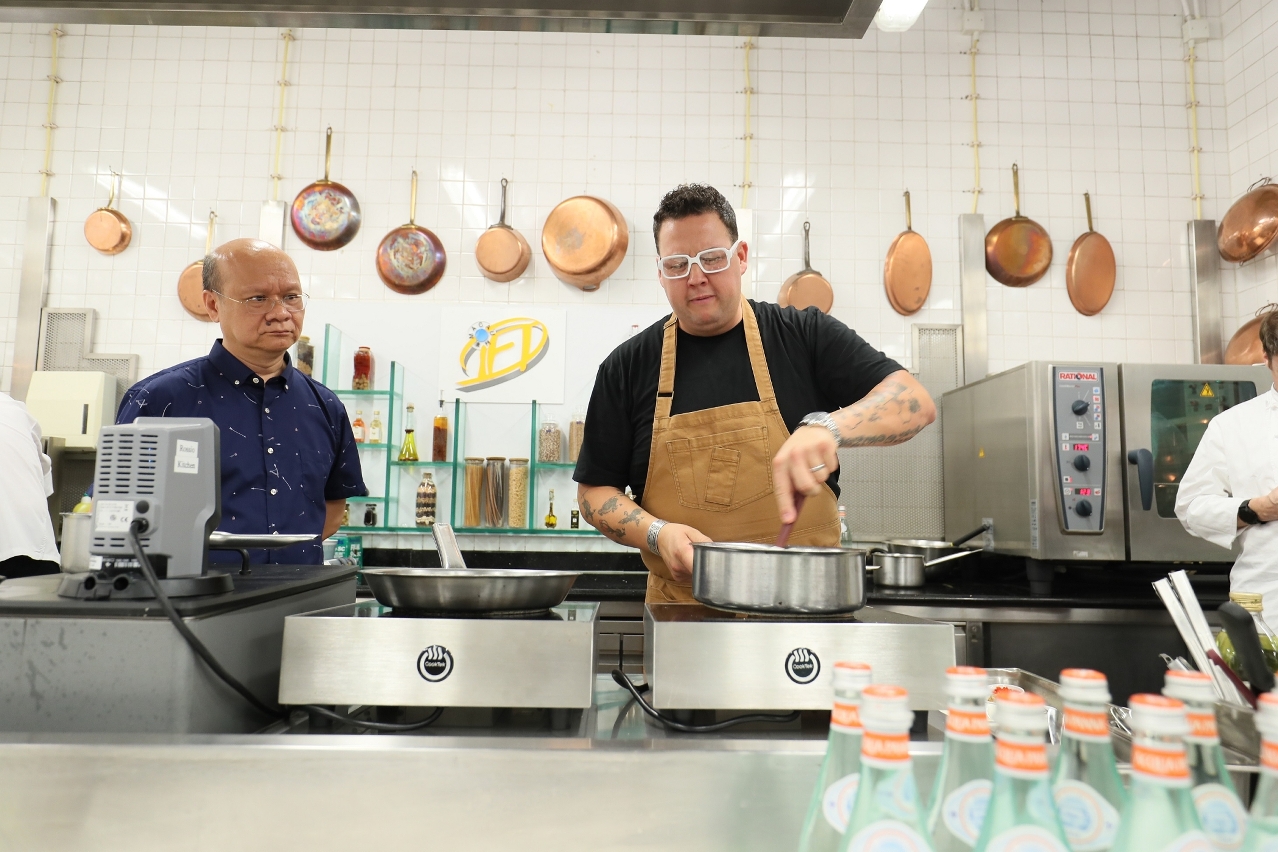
[1221, 813]
[1160, 814]
[1262, 829]
[886, 816]
[963, 781]
[1089, 794]
[1022, 815]
[836, 785]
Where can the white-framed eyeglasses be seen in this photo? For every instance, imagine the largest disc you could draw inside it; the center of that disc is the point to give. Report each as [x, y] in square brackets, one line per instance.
[711, 260]
[293, 302]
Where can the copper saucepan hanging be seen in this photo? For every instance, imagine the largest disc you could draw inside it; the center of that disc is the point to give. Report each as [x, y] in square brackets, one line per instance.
[1251, 225]
[807, 287]
[325, 214]
[411, 259]
[1017, 250]
[1090, 269]
[502, 253]
[584, 240]
[1245, 346]
[907, 272]
[191, 281]
[107, 229]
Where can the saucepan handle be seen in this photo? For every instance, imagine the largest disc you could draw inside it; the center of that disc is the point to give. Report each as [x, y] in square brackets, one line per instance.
[958, 555]
[973, 534]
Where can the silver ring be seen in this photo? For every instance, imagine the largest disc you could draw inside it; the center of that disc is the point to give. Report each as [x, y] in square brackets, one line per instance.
[817, 468]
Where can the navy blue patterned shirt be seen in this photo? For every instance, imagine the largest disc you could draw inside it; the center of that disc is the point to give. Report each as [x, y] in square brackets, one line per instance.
[287, 445]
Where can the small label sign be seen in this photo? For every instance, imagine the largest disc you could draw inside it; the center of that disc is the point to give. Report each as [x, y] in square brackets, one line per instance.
[186, 458]
[435, 663]
[802, 665]
[112, 516]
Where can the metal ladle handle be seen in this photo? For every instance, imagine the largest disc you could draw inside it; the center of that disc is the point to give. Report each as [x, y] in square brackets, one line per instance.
[328, 152]
[1016, 189]
[1087, 200]
[501, 220]
[412, 201]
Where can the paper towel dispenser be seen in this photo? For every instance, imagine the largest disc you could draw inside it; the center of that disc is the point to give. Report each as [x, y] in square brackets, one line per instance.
[72, 405]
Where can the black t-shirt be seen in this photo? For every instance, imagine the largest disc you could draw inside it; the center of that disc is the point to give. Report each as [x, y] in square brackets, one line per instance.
[817, 364]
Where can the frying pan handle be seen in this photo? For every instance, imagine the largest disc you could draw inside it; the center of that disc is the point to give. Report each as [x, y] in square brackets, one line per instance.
[807, 247]
[412, 201]
[328, 151]
[501, 220]
[909, 218]
[1242, 632]
[450, 556]
[111, 198]
[1144, 461]
[973, 534]
[1016, 188]
[1087, 200]
[208, 237]
[959, 555]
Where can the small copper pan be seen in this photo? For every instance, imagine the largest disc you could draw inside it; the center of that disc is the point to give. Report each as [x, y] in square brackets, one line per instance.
[1245, 346]
[584, 240]
[502, 253]
[325, 214]
[411, 259]
[1017, 250]
[1090, 269]
[107, 229]
[907, 272]
[807, 287]
[191, 281]
[1251, 225]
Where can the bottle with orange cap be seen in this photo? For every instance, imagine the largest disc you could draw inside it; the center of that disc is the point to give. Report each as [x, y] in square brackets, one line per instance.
[1021, 816]
[1222, 815]
[961, 792]
[1262, 829]
[1088, 791]
[887, 815]
[1160, 814]
[840, 771]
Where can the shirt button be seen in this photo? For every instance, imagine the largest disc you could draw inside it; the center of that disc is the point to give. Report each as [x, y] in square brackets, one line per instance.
[268, 411]
[256, 380]
[273, 492]
[270, 449]
[237, 381]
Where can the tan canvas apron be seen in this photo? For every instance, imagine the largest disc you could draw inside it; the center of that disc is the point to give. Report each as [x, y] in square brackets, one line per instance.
[712, 469]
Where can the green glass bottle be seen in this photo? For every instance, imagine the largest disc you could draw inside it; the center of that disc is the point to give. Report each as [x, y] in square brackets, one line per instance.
[1088, 791]
[1262, 828]
[961, 792]
[840, 770]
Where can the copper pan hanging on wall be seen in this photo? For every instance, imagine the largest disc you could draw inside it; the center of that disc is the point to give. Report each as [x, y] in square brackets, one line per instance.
[411, 259]
[107, 229]
[502, 253]
[1018, 249]
[907, 271]
[1251, 225]
[584, 240]
[807, 288]
[191, 281]
[1090, 269]
[1245, 346]
[325, 215]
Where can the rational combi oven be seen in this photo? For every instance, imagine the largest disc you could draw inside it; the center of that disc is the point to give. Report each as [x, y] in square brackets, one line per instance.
[1082, 460]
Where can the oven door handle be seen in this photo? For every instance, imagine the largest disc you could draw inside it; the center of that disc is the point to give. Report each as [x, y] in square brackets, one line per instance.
[1144, 461]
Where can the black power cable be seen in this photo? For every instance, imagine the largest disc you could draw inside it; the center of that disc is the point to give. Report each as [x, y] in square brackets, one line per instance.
[201, 651]
[636, 692]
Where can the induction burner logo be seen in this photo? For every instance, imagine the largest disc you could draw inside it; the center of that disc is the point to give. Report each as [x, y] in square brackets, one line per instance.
[802, 665]
[435, 663]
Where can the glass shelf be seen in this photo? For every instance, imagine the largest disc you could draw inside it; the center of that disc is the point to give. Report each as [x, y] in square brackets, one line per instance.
[365, 445]
[398, 463]
[558, 465]
[358, 393]
[365, 499]
[518, 531]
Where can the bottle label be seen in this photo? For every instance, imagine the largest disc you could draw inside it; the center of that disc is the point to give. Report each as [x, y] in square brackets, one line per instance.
[1160, 766]
[964, 810]
[887, 835]
[968, 725]
[885, 751]
[896, 796]
[1202, 728]
[1089, 820]
[1025, 838]
[1190, 841]
[1086, 725]
[846, 718]
[1024, 760]
[1222, 816]
[838, 800]
[1269, 755]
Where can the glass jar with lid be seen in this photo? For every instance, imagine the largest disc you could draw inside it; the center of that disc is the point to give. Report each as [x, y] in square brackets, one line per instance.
[474, 496]
[495, 491]
[517, 494]
[550, 442]
[576, 435]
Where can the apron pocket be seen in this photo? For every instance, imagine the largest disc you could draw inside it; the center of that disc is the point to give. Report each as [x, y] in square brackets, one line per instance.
[723, 475]
[721, 472]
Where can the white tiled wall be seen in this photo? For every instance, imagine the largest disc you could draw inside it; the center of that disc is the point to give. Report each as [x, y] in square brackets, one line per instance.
[1083, 94]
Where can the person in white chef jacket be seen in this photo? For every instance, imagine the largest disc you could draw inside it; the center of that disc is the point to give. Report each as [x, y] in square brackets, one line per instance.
[26, 531]
[1230, 490]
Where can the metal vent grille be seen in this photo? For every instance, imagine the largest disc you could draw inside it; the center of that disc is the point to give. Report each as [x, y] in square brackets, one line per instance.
[65, 338]
[899, 492]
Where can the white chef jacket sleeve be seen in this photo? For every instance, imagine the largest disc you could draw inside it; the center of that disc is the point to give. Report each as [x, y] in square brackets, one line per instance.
[46, 463]
[1205, 501]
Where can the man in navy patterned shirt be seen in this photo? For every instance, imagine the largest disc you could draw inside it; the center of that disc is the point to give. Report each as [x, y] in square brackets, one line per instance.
[289, 459]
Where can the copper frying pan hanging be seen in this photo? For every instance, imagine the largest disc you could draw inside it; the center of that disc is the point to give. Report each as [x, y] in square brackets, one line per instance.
[807, 287]
[502, 253]
[1251, 225]
[907, 272]
[1245, 346]
[411, 259]
[191, 281]
[584, 240]
[1090, 269]
[107, 229]
[325, 214]
[1017, 250]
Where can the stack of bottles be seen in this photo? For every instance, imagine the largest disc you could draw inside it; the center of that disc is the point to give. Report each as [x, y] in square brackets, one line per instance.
[1002, 794]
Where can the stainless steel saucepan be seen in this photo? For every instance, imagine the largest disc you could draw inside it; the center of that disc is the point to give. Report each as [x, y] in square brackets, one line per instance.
[765, 578]
[938, 556]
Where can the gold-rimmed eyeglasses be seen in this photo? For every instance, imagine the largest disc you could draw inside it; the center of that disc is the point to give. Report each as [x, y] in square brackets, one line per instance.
[294, 303]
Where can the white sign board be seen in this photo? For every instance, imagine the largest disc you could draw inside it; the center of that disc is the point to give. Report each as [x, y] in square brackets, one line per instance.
[502, 353]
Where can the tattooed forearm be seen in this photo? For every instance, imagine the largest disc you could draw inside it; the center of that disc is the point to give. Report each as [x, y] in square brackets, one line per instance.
[609, 505]
[632, 517]
[587, 511]
[883, 440]
[614, 514]
[896, 410]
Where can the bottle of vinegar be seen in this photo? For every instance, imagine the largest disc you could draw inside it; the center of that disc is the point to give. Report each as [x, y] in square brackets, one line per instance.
[439, 435]
[961, 792]
[408, 451]
[1089, 794]
[1262, 829]
[836, 785]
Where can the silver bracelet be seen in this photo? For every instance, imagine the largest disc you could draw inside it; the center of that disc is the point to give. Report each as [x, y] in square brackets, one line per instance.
[654, 529]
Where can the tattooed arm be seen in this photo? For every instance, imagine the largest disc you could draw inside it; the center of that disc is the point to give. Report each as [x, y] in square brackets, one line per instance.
[621, 519]
[896, 410]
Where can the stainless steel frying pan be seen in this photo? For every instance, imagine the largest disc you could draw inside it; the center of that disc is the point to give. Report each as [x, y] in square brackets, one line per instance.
[765, 578]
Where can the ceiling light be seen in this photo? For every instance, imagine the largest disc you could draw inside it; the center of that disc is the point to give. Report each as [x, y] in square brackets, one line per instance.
[897, 16]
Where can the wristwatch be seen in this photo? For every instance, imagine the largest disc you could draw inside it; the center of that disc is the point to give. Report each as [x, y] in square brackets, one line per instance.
[823, 418]
[1248, 515]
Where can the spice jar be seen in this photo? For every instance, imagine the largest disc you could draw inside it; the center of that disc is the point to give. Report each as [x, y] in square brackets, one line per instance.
[576, 434]
[363, 379]
[517, 494]
[550, 442]
[427, 495]
[474, 498]
[495, 491]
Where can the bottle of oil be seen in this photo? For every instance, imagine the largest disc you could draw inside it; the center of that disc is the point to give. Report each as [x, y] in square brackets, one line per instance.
[426, 499]
[841, 770]
[551, 520]
[358, 428]
[408, 452]
[376, 434]
[439, 436]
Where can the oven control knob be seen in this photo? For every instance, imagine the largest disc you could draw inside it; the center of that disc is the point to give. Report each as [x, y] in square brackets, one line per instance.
[1079, 407]
[1083, 508]
[1082, 462]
